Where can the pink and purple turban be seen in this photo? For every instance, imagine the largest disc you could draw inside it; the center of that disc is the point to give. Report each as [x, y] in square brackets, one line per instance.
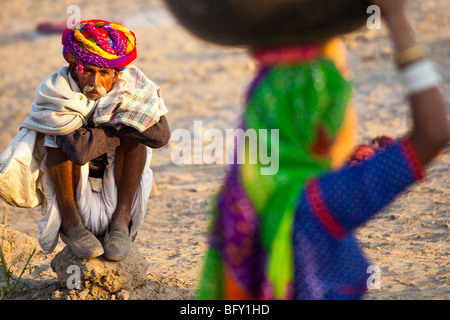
[99, 43]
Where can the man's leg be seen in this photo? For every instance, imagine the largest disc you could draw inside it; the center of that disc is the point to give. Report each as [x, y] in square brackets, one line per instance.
[130, 160]
[131, 157]
[65, 176]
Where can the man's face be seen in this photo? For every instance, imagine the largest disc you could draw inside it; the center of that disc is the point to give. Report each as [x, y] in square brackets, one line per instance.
[95, 82]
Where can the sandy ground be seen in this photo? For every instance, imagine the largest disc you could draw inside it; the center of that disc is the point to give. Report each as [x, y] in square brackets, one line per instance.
[203, 82]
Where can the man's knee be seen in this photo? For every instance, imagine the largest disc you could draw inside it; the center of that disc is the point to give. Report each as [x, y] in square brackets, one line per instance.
[131, 148]
[63, 172]
[131, 157]
[128, 143]
[55, 157]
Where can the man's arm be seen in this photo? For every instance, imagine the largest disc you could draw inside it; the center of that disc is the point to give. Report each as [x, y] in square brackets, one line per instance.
[157, 136]
[88, 143]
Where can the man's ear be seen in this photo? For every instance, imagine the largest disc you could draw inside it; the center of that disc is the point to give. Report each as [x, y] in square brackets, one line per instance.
[73, 70]
[116, 75]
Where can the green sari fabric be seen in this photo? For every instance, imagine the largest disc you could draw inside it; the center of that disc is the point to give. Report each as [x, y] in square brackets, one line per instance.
[294, 99]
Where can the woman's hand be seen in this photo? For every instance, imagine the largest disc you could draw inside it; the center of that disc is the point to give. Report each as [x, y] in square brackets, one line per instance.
[430, 130]
[393, 12]
[390, 9]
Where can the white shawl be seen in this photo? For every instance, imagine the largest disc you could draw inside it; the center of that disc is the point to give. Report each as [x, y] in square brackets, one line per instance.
[60, 107]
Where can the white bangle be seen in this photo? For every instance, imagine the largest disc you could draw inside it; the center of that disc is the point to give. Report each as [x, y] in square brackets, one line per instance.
[420, 76]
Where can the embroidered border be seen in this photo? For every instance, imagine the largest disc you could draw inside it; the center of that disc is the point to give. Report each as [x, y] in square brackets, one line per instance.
[412, 158]
[318, 206]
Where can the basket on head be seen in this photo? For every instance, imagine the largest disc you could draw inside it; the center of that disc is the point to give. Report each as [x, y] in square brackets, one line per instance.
[269, 22]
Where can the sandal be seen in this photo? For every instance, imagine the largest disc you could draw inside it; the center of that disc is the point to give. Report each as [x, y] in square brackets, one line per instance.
[83, 244]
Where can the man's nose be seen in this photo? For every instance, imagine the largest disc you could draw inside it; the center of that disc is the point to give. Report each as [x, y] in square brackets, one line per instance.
[95, 79]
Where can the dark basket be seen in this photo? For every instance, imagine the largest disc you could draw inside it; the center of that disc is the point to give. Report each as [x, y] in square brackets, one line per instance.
[269, 22]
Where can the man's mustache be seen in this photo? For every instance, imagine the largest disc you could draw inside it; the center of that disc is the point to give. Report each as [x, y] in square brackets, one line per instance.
[94, 89]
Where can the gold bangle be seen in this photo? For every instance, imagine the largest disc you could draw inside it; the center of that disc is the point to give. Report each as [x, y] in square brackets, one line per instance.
[409, 55]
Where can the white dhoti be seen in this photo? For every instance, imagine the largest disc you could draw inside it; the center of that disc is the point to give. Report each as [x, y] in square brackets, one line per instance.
[95, 208]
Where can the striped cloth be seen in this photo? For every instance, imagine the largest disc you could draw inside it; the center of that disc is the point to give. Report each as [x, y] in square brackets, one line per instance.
[134, 101]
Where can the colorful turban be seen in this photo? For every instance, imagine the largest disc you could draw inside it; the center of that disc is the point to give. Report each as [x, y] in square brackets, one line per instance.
[99, 43]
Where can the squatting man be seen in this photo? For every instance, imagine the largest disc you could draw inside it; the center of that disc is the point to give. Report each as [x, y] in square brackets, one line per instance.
[101, 117]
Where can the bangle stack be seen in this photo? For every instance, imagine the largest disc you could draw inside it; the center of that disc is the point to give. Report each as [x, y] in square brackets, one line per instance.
[417, 73]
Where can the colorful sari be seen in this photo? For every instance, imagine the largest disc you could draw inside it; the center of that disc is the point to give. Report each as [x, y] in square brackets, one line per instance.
[296, 91]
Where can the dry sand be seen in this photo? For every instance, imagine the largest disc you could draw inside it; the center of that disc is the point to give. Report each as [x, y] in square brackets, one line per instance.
[204, 82]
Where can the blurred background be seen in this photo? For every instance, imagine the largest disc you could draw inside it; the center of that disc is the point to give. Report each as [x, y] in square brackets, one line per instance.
[206, 82]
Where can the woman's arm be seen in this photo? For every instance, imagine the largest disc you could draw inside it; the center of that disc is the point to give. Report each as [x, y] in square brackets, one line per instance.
[345, 199]
[430, 131]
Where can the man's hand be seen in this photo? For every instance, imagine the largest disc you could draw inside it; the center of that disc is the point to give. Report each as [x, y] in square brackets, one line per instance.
[91, 119]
